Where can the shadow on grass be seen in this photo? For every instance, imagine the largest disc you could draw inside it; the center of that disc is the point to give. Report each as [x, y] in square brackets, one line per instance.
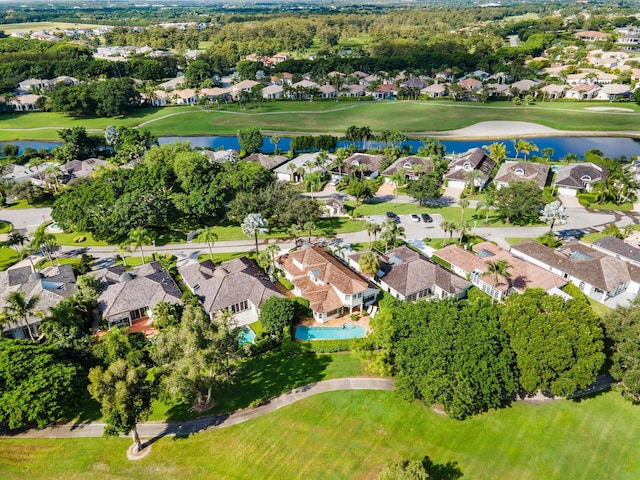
[442, 471]
[260, 379]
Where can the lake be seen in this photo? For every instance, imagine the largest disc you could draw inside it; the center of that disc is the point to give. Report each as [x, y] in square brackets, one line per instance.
[610, 146]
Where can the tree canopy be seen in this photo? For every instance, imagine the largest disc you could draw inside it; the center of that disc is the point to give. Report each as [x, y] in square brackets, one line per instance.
[558, 345]
[277, 314]
[454, 355]
[39, 384]
[519, 202]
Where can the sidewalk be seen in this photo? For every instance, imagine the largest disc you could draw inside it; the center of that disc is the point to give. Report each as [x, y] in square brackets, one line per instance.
[163, 429]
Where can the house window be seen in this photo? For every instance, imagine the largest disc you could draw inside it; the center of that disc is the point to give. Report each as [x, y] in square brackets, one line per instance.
[138, 313]
[239, 307]
[519, 171]
[467, 167]
[347, 297]
[581, 286]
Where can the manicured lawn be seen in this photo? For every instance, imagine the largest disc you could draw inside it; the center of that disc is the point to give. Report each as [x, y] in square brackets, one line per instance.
[328, 117]
[592, 237]
[599, 309]
[67, 239]
[352, 435]
[135, 260]
[257, 328]
[44, 262]
[516, 240]
[10, 28]
[8, 256]
[22, 204]
[625, 207]
[5, 227]
[223, 257]
[264, 377]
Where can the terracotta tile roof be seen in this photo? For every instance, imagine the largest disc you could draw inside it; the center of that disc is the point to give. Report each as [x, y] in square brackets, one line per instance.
[582, 262]
[523, 274]
[329, 271]
[519, 171]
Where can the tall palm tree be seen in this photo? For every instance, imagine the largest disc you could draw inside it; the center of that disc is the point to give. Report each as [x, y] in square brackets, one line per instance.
[275, 140]
[295, 231]
[463, 228]
[253, 224]
[37, 162]
[397, 177]
[499, 268]
[208, 236]
[42, 240]
[309, 227]
[464, 203]
[123, 249]
[15, 239]
[488, 205]
[371, 228]
[369, 263]
[17, 308]
[139, 237]
[272, 250]
[53, 171]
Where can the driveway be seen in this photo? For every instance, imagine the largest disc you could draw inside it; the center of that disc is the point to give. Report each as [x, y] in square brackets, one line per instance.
[27, 218]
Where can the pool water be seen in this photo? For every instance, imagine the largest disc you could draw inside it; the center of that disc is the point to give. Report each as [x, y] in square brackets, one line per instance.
[247, 336]
[329, 333]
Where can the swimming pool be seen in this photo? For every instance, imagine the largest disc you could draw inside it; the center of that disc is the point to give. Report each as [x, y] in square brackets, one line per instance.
[329, 333]
[247, 336]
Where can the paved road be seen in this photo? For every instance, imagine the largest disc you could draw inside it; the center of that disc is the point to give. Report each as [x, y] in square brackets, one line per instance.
[156, 430]
[27, 218]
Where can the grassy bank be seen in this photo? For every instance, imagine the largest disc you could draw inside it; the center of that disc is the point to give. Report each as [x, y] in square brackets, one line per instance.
[353, 434]
[429, 116]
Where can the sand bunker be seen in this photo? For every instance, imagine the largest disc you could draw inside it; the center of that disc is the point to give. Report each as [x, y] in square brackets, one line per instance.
[610, 109]
[501, 129]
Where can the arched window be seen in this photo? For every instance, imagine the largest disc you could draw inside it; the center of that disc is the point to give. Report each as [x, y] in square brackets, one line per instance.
[467, 166]
[519, 171]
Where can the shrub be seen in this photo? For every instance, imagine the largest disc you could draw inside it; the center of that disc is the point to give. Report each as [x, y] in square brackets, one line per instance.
[285, 283]
[79, 239]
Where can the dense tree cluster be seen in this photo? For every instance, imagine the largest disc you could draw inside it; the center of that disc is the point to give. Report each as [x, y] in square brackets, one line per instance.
[109, 98]
[174, 186]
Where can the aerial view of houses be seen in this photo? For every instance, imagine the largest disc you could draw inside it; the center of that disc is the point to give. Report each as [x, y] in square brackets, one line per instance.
[324, 241]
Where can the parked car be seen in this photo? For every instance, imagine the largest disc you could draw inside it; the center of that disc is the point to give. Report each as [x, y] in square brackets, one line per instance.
[427, 218]
[391, 215]
[414, 217]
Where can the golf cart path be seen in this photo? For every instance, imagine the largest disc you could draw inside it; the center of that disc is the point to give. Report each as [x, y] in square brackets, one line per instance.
[161, 429]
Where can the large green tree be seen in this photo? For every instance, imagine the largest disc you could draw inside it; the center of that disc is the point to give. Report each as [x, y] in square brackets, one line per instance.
[250, 139]
[454, 355]
[277, 314]
[622, 327]
[519, 202]
[197, 356]
[38, 384]
[426, 186]
[558, 344]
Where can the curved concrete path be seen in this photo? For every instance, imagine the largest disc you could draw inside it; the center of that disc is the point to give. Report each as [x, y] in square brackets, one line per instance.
[163, 429]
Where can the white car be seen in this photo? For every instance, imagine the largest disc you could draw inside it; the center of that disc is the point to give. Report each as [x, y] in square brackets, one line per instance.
[414, 217]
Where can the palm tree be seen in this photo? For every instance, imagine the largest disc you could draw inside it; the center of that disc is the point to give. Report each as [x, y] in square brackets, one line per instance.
[464, 203]
[210, 237]
[497, 151]
[15, 239]
[18, 308]
[139, 237]
[472, 177]
[123, 249]
[397, 177]
[462, 228]
[448, 227]
[275, 140]
[253, 224]
[371, 228]
[309, 227]
[272, 250]
[488, 205]
[369, 263]
[42, 240]
[37, 162]
[499, 268]
[295, 231]
[53, 171]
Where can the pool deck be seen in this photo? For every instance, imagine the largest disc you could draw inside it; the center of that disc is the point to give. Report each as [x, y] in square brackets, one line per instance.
[338, 322]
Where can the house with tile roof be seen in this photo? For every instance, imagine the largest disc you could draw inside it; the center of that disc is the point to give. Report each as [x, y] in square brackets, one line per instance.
[596, 274]
[522, 171]
[332, 288]
[583, 91]
[235, 285]
[51, 285]
[474, 266]
[363, 164]
[267, 161]
[460, 166]
[82, 168]
[576, 177]
[409, 275]
[130, 295]
[435, 90]
[413, 167]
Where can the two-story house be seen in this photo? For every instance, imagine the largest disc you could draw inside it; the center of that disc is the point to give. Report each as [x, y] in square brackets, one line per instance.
[332, 288]
[458, 173]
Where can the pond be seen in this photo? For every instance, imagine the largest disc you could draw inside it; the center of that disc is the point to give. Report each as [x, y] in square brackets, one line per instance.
[610, 146]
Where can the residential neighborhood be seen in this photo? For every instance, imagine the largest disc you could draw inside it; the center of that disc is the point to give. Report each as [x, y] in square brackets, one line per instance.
[243, 240]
